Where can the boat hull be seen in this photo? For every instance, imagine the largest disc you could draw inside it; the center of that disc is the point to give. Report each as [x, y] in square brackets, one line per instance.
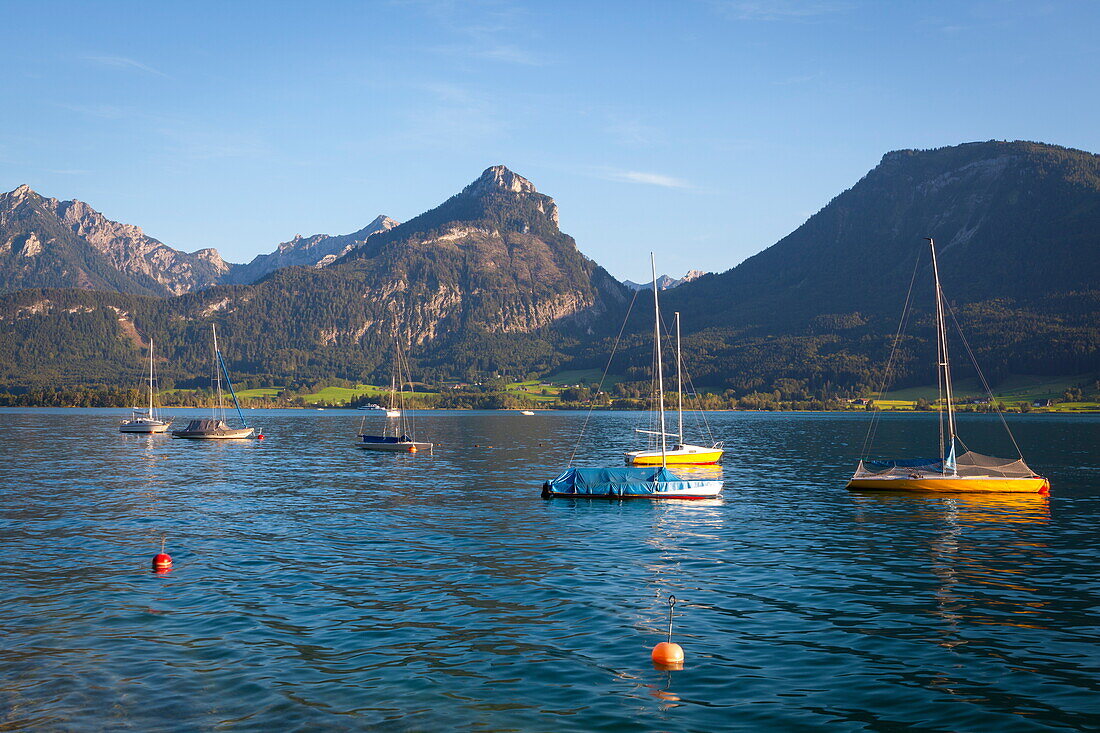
[688, 455]
[144, 427]
[954, 484]
[240, 434]
[661, 490]
[407, 447]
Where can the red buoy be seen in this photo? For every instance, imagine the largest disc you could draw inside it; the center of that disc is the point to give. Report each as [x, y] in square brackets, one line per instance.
[260, 436]
[162, 561]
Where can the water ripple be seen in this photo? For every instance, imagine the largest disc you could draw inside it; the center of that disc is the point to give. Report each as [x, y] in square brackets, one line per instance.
[319, 586]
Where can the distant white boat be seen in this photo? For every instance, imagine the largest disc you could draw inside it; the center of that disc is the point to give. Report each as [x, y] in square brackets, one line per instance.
[527, 412]
[370, 406]
[393, 413]
[145, 419]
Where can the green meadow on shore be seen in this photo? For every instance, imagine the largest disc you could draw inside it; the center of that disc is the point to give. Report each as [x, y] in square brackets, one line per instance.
[574, 389]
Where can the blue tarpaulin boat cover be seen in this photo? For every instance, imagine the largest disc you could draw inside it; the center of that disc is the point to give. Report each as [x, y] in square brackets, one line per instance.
[615, 481]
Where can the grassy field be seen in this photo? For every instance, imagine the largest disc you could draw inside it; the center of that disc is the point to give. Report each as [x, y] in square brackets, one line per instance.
[1016, 388]
[583, 377]
[532, 390]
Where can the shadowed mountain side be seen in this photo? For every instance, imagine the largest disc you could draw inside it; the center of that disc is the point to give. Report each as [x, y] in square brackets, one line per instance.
[1017, 227]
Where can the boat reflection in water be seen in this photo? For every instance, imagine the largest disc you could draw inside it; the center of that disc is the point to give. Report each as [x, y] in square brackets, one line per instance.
[984, 558]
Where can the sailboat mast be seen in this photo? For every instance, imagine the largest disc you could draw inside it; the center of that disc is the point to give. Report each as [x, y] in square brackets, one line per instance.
[660, 373]
[679, 386]
[944, 365]
[151, 417]
[217, 374]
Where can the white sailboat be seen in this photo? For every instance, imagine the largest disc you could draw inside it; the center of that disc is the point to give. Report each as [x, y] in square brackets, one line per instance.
[216, 428]
[145, 419]
[680, 453]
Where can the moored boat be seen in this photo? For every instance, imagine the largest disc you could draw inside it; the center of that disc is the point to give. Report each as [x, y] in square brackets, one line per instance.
[146, 420]
[216, 428]
[968, 472]
[630, 482]
[398, 433]
[680, 453]
[649, 482]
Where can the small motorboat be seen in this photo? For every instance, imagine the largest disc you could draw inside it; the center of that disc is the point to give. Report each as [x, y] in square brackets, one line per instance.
[527, 412]
[370, 406]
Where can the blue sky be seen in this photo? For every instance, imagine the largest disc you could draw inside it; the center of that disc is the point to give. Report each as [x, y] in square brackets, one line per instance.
[704, 130]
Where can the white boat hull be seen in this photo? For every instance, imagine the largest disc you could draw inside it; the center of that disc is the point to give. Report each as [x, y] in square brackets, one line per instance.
[155, 426]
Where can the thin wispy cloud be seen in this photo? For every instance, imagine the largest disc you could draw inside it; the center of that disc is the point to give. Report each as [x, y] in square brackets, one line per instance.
[774, 10]
[631, 132]
[122, 62]
[801, 79]
[644, 177]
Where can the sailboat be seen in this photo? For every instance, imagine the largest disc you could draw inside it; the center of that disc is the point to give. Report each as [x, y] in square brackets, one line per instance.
[216, 428]
[968, 472]
[645, 482]
[146, 420]
[398, 434]
[680, 453]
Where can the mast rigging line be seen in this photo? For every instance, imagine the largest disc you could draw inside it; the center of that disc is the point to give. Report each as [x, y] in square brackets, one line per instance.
[607, 367]
[906, 311]
[985, 384]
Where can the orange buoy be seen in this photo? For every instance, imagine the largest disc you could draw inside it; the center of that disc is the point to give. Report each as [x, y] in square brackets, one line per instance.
[412, 449]
[668, 655]
[162, 561]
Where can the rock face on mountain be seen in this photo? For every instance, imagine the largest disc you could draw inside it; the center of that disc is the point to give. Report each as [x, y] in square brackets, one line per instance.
[45, 242]
[666, 282]
[318, 250]
[483, 268]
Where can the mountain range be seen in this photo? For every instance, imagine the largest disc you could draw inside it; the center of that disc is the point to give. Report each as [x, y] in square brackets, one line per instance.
[487, 283]
[666, 282]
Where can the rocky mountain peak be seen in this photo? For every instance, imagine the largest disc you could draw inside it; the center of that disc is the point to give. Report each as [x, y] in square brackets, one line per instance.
[497, 178]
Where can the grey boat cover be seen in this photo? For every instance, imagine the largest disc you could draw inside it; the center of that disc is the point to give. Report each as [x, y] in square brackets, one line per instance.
[968, 464]
[205, 426]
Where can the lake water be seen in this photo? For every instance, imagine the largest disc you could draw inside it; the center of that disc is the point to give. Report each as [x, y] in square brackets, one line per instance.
[318, 586]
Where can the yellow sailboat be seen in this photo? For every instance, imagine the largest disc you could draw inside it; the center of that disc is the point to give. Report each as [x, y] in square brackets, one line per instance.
[680, 453]
[969, 472]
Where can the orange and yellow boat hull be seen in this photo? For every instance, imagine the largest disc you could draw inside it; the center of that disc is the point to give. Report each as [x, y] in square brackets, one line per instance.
[954, 484]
